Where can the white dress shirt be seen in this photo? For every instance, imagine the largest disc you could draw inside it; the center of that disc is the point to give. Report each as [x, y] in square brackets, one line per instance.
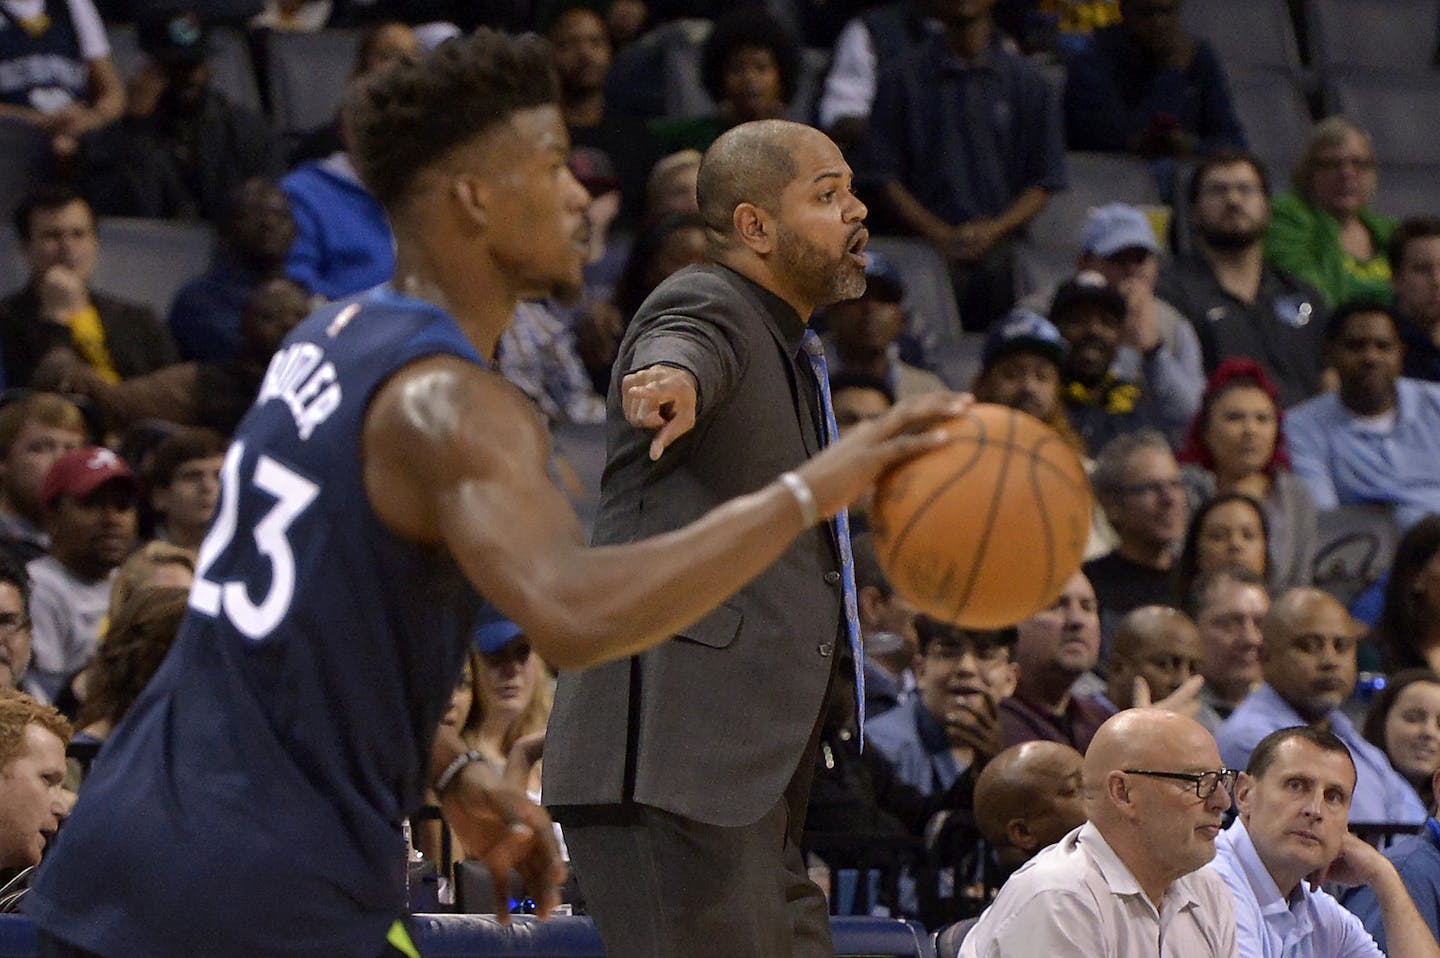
[1076, 899]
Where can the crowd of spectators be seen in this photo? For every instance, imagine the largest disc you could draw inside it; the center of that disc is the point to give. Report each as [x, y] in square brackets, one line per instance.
[1240, 386]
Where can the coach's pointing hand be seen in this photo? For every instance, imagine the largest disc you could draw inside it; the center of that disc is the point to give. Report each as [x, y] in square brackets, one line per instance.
[663, 398]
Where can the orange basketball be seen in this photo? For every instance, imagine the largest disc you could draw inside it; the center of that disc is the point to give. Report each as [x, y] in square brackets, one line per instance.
[986, 531]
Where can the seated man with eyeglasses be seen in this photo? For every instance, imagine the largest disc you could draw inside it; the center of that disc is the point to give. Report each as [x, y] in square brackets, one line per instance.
[1294, 798]
[1137, 483]
[1129, 882]
[1308, 662]
[953, 725]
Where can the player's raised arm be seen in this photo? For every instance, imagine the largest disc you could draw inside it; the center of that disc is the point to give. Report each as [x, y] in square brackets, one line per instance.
[456, 456]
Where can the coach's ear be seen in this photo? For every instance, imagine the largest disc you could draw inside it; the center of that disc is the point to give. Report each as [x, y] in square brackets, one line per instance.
[755, 228]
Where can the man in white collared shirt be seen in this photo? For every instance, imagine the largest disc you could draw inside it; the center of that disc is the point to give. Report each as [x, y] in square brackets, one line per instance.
[1126, 879]
[1294, 802]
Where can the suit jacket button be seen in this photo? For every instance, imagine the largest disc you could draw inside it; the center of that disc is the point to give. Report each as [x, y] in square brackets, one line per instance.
[825, 648]
[832, 577]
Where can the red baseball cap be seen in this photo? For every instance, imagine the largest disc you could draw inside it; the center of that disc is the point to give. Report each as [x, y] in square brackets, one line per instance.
[81, 471]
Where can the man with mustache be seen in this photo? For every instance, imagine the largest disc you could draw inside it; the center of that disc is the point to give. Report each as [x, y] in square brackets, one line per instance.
[1240, 306]
[1308, 661]
[681, 775]
[1293, 799]
[1129, 882]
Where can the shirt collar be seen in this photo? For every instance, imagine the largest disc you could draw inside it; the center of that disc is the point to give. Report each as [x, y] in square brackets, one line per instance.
[788, 322]
[1273, 904]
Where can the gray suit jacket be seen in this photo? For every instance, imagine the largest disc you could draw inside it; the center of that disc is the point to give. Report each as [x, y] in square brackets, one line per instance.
[712, 724]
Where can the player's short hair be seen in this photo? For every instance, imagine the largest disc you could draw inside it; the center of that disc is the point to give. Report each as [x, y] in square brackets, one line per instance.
[1263, 755]
[19, 711]
[405, 118]
[47, 409]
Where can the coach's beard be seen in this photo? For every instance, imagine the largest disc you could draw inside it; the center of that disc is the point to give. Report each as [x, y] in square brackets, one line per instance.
[829, 279]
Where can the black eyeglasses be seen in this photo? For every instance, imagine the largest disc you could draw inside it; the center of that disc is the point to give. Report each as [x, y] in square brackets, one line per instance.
[1205, 782]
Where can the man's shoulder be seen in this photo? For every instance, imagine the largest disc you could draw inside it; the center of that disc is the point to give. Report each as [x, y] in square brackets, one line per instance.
[1416, 856]
[47, 575]
[1314, 412]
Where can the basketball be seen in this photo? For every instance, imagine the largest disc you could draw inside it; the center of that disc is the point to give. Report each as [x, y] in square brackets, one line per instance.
[984, 532]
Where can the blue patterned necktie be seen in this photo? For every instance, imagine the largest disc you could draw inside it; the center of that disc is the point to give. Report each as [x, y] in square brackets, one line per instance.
[815, 352]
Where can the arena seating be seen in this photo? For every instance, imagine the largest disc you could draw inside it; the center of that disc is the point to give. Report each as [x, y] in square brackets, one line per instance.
[1381, 35]
[479, 936]
[231, 70]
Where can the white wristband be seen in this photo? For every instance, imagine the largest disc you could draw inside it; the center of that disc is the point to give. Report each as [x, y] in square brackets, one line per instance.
[458, 764]
[804, 497]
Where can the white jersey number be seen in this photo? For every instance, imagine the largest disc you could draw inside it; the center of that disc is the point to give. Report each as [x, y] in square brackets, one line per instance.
[293, 494]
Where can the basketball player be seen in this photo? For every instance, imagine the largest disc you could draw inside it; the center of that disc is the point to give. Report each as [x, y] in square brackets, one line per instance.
[251, 802]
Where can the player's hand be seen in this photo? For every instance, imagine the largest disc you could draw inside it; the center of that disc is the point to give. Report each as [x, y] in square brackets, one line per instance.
[1185, 700]
[62, 294]
[505, 831]
[840, 474]
[1359, 863]
[662, 398]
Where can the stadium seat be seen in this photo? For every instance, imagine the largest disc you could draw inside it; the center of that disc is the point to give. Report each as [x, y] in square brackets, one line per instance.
[949, 939]
[471, 936]
[1355, 547]
[25, 159]
[1095, 179]
[932, 318]
[1272, 109]
[306, 74]
[1408, 190]
[674, 51]
[1393, 107]
[146, 261]
[232, 71]
[1384, 35]
[1246, 33]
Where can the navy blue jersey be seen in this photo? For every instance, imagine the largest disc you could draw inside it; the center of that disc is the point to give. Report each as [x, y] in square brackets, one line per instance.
[250, 802]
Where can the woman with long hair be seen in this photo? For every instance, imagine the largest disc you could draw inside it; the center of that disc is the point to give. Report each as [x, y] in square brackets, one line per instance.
[1236, 443]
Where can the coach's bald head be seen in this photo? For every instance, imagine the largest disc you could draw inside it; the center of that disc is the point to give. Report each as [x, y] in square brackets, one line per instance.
[750, 163]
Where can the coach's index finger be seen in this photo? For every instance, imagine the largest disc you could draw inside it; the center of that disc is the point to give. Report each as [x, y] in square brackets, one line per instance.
[662, 398]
